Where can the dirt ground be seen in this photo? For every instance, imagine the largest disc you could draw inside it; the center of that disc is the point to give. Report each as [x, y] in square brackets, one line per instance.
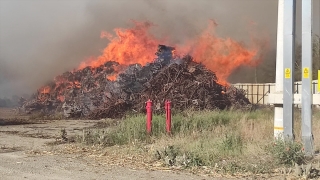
[26, 153]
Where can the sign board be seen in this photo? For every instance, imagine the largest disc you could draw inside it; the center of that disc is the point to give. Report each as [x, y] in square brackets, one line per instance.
[306, 73]
[287, 73]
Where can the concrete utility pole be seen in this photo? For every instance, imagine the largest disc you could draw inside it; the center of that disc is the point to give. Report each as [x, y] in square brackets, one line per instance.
[288, 61]
[278, 108]
[306, 125]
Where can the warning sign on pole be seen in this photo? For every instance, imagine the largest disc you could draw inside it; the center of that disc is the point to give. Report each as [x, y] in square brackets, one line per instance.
[287, 73]
[306, 73]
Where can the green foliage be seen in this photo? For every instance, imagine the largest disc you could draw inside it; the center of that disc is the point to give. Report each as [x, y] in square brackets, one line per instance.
[134, 128]
[232, 144]
[203, 138]
[90, 137]
[202, 121]
[287, 152]
[173, 155]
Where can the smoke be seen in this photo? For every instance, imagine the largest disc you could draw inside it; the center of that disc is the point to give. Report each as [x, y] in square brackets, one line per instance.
[41, 39]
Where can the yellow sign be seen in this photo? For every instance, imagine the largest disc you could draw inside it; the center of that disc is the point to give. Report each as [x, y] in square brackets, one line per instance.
[305, 72]
[318, 80]
[287, 73]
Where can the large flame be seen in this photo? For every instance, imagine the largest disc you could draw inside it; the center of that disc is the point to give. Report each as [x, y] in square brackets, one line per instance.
[129, 46]
[221, 55]
[138, 45]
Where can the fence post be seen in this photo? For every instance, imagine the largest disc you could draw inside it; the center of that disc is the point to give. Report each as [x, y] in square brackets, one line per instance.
[168, 116]
[149, 116]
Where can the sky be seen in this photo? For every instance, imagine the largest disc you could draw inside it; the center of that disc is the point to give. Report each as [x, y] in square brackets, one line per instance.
[40, 39]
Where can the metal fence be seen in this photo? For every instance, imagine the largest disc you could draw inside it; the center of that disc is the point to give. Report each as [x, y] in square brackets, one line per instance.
[257, 93]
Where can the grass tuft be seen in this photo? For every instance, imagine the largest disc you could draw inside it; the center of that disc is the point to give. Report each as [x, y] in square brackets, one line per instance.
[287, 152]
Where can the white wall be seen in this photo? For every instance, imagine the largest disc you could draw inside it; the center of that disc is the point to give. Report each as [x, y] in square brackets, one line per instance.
[257, 93]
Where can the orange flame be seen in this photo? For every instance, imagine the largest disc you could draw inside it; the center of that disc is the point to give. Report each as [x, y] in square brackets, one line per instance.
[221, 56]
[77, 84]
[137, 45]
[45, 90]
[130, 46]
[61, 98]
[112, 77]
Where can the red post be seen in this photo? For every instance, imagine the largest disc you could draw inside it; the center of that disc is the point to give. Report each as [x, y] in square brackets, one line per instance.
[149, 116]
[168, 116]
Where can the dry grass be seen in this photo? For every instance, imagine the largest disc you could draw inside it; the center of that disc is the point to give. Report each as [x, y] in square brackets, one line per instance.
[226, 141]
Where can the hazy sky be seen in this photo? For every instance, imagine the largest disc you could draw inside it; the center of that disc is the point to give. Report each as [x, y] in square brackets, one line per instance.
[40, 39]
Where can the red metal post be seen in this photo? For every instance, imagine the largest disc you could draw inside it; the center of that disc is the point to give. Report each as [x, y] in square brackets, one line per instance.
[149, 116]
[168, 116]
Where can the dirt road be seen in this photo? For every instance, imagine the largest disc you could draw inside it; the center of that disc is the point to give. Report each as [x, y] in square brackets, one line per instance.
[24, 154]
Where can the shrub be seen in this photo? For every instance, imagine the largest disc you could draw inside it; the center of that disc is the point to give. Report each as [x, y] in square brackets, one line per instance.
[287, 152]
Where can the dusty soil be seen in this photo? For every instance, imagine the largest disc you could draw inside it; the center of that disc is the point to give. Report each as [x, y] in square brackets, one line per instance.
[26, 152]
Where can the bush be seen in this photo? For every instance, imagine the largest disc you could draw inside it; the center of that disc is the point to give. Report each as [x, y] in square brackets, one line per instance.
[287, 152]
